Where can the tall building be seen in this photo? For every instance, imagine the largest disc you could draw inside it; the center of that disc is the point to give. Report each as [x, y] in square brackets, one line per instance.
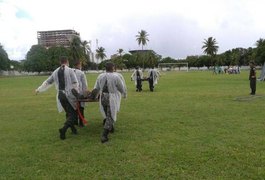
[56, 37]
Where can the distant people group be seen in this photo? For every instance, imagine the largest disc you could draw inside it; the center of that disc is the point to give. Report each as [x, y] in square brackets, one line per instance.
[72, 91]
[226, 70]
[152, 78]
[233, 70]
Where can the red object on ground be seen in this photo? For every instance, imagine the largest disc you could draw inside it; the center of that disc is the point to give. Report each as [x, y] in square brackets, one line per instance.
[80, 115]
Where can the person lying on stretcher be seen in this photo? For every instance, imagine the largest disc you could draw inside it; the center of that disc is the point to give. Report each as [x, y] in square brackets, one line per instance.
[88, 96]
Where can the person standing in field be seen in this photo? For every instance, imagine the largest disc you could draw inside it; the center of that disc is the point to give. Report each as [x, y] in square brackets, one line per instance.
[65, 80]
[153, 76]
[137, 77]
[252, 78]
[111, 87]
[82, 81]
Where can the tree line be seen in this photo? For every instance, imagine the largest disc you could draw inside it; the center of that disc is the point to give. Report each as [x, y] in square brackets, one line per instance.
[236, 56]
[40, 59]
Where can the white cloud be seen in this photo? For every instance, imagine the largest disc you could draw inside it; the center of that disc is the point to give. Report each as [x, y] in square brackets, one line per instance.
[176, 27]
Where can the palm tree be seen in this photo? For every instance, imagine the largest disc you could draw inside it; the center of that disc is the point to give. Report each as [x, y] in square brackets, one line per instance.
[210, 47]
[259, 42]
[120, 51]
[86, 50]
[119, 60]
[86, 46]
[141, 38]
[76, 49]
[100, 53]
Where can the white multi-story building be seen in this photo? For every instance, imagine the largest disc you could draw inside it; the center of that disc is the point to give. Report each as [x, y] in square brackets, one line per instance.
[56, 37]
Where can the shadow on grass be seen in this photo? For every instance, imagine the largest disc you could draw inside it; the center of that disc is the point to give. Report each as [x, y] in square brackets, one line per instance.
[249, 98]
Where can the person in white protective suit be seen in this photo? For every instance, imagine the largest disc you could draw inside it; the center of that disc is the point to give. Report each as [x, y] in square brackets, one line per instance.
[82, 81]
[153, 76]
[65, 80]
[137, 77]
[111, 87]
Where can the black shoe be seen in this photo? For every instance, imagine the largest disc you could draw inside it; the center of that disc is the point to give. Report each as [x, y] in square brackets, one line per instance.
[62, 134]
[73, 129]
[74, 132]
[112, 130]
[104, 137]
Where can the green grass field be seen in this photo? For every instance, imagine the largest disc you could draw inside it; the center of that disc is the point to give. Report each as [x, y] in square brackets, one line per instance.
[195, 125]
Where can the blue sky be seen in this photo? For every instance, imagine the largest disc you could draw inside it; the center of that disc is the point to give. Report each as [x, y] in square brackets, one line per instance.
[176, 28]
[22, 14]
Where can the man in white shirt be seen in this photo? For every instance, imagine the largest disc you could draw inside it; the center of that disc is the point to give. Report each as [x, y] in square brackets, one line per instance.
[111, 87]
[65, 80]
[153, 76]
[137, 77]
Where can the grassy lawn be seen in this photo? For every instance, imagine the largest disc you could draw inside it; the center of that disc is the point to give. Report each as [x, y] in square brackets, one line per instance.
[195, 125]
